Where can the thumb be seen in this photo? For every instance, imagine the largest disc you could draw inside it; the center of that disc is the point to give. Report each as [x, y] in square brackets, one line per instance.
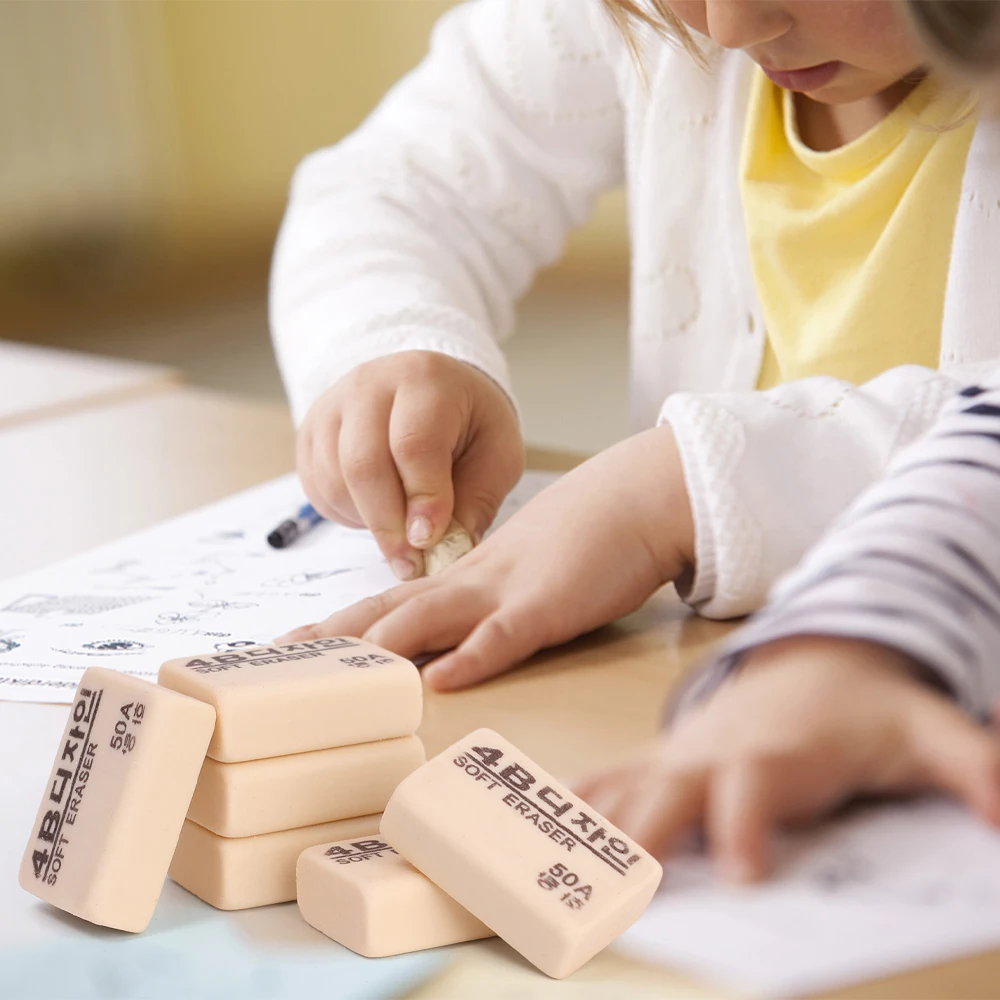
[422, 432]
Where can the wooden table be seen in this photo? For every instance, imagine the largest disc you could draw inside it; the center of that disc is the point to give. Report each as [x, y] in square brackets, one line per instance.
[94, 475]
[101, 473]
[41, 382]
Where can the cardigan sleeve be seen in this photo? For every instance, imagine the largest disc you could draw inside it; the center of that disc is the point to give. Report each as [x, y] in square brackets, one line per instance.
[914, 564]
[767, 472]
[421, 229]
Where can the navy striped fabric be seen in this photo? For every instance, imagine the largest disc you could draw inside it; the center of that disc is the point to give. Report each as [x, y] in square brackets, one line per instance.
[913, 564]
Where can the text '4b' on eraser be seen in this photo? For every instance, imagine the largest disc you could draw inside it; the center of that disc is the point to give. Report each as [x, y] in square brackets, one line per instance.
[277, 700]
[115, 801]
[364, 895]
[520, 851]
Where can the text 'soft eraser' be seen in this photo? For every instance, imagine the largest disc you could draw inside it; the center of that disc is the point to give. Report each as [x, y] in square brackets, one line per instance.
[280, 793]
[284, 699]
[520, 851]
[237, 873]
[115, 801]
[364, 895]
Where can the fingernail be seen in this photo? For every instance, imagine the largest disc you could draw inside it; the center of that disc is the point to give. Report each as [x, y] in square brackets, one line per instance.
[419, 531]
[405, 569]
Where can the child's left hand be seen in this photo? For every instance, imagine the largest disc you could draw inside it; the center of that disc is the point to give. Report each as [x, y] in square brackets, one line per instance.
[806, 724]
[588, 549]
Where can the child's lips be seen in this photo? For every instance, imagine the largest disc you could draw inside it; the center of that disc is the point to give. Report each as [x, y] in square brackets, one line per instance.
[806, 79]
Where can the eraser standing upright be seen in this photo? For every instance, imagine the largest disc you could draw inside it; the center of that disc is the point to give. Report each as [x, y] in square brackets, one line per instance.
[237, 873]
[115, 801]
[364, 895]
[455, 544]
[301, 789]
[276, 700]
[520, 851]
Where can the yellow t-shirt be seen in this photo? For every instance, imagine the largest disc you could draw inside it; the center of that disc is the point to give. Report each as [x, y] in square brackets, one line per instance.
[850, 248]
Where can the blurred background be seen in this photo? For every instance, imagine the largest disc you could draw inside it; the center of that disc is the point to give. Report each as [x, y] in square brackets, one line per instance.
[145, 154]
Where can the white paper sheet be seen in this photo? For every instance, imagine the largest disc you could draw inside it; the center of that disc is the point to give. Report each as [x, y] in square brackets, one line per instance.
[201, 582]
[874, 893]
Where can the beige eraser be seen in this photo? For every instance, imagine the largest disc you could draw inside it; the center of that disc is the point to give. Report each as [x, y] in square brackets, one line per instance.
[115, 801]
[520, 851]
[240, 872]
[367, 897]
[301, 789]
[276, 700]
[455, 544]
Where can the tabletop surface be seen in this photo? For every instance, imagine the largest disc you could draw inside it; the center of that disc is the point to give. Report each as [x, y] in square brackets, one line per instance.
[41, 382]
[118, 468]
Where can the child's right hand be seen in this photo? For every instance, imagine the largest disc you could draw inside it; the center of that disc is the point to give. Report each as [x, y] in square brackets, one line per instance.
[402, 444]
[808, 723]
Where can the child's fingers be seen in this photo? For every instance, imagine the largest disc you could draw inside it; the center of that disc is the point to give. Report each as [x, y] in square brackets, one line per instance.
[501, 640]
[483, 476]
[955, 754]
[318, 463]
[660, 807]
[436, 619]
[357, 619]
[744, 805]
[423, 429]
[369, 471]
[605, 791]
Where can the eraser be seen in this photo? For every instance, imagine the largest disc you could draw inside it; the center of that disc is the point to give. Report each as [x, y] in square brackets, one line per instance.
[364, 895]
[520, 851]
[455, 544]
[240, 872]
[115, 801]
[276, 700]
[302, 789]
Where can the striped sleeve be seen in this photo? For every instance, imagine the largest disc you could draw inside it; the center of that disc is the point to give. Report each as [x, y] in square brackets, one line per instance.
[914, 563]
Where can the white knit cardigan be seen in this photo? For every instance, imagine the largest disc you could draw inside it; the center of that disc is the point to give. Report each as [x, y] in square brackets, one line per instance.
[422, 229]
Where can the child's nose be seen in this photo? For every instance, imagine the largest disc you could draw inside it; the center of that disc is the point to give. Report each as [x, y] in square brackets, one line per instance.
[741, 24]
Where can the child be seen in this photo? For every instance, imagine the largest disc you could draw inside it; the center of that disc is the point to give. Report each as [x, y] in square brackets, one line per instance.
[867, 668]
[791, 220]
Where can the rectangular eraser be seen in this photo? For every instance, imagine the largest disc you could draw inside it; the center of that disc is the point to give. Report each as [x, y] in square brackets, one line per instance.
[364, 895]
[276, 700]
[241, 872]
[115, 801]
[520, 851]
[302, 789]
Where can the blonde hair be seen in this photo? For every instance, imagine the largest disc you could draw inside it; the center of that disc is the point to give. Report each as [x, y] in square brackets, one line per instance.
[964, 34]
[654, 14]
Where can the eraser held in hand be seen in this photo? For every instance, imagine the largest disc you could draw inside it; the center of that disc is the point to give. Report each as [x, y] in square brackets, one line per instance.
[455, 544]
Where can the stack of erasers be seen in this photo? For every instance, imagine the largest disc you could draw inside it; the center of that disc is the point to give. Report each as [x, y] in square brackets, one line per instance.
[310, 741]
[481, 840]
[305, 741]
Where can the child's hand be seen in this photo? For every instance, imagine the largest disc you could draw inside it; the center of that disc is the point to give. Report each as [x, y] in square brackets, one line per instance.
[808, 723]
[590, 548]
[403, 443]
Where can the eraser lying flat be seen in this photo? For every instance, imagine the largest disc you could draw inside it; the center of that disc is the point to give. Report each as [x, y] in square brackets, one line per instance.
[115, 801]
[241, 872]
[455, 544]
[301, 789]
[520, 851]
[276, 700]
[367, 897]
